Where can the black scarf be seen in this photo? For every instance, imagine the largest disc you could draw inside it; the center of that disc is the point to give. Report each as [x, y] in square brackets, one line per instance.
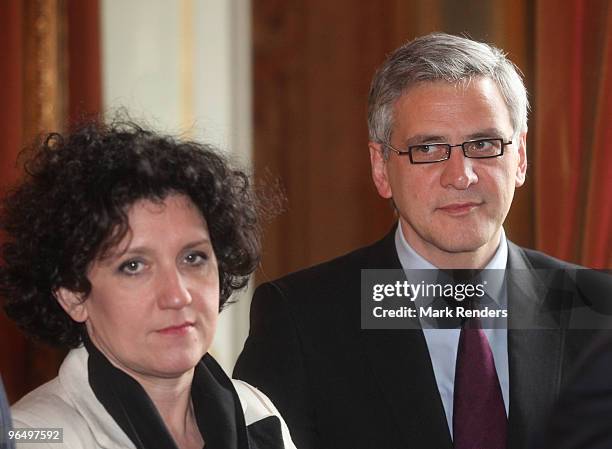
[217, 408]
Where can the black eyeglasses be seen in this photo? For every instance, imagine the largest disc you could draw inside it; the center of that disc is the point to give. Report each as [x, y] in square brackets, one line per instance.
[429, 153]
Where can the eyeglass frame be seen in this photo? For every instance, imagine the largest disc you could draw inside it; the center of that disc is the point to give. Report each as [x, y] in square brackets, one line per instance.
[448, 152]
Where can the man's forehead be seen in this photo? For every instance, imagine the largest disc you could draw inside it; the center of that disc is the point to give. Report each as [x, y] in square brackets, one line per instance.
[452, 88]
[436, 108]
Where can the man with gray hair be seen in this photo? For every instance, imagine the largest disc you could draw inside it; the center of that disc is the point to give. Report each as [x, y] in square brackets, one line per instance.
[448, 129]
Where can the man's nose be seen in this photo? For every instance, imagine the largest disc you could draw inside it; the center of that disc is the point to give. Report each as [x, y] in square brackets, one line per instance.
[172, 291]
[458, 171]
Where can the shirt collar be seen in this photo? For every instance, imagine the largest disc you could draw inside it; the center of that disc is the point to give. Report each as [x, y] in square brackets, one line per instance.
[411, 260]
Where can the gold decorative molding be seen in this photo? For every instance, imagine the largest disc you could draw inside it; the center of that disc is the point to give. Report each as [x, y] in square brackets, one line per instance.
[45, 98]
[45, 81]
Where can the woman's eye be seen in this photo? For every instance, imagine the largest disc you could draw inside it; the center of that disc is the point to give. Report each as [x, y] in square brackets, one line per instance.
[195, 259]
[131, 267]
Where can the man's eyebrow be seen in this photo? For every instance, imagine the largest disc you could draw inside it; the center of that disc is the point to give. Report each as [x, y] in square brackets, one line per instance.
[424, 138]
[489, 132]
[418, 139]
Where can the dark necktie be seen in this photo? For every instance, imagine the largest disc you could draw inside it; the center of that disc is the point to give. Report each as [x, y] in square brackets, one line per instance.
[479, 415]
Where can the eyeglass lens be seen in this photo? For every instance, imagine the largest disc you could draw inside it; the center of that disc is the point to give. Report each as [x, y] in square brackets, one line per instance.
[481, 148]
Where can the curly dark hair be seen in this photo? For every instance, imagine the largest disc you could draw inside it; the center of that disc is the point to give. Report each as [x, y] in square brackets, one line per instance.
[72, 206]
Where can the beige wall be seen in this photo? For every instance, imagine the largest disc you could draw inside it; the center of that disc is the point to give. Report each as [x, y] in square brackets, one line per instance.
[184, 67]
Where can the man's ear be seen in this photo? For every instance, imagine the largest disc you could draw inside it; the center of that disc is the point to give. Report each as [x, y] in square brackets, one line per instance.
[379, 170]
[73, 303]
[521, 168]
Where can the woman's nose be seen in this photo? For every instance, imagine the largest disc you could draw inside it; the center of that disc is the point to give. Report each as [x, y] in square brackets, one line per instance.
[172, 294]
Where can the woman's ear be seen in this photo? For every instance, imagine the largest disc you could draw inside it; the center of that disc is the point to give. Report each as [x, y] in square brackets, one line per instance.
[73, 303]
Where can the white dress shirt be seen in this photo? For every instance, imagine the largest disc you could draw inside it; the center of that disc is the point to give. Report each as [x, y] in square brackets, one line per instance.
[442, 343]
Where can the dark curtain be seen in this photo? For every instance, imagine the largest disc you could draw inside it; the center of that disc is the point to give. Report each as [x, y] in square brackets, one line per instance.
[573, 113]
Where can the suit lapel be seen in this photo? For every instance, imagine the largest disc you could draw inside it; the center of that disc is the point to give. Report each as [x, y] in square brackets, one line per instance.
[400, 362]
[534, 349]
[402, 367]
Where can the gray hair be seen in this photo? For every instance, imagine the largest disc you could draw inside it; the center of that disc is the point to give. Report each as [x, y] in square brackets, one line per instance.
[442, 57]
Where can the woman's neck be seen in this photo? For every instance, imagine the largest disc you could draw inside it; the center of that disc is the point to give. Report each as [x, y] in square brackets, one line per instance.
[172, 398]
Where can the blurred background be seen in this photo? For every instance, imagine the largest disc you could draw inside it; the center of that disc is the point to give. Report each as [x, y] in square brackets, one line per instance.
[281, 87]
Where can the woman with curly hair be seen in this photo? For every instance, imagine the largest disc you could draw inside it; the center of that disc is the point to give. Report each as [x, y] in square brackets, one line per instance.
[124, 245]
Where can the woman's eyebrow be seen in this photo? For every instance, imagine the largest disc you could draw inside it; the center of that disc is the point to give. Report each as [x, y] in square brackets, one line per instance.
[204, 241]
[113, 255]
[144, 250]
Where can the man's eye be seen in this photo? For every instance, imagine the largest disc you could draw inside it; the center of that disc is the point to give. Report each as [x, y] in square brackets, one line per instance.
[195, 258]
[131, 267]
[484, 145]
[424, 148]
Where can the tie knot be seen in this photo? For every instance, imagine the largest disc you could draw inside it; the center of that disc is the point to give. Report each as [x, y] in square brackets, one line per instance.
[464, 276]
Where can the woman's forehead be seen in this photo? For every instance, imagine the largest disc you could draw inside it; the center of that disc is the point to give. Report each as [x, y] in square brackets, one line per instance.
[154, 223]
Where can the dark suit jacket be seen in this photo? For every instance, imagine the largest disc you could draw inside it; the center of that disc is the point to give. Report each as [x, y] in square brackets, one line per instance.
[583, 416]
[339, 386]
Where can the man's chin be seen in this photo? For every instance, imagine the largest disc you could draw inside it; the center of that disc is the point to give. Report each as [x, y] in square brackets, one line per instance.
[460, 244]
[452, 240]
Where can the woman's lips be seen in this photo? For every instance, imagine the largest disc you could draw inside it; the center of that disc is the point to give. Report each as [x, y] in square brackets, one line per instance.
[176, 330]
[457, 209]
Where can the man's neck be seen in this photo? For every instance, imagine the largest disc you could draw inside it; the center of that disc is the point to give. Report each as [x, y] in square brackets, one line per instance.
[474, 259]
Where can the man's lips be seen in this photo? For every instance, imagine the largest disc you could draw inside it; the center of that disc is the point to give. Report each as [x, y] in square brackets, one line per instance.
[459, 208]
[176, 329]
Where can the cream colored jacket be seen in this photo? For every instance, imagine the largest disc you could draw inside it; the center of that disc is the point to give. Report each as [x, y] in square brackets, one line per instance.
[68, 402]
